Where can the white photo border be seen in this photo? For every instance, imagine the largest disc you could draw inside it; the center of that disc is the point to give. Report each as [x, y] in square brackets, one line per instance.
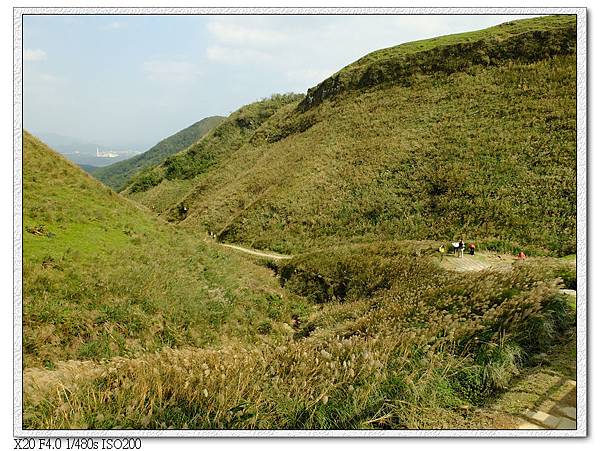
[582, 334]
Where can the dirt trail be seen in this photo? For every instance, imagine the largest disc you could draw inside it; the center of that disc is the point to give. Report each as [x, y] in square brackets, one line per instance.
[477, 262]
[450, 262]
[257, 253]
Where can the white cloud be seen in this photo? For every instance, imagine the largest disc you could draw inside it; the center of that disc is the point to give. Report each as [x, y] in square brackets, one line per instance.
[233, 33]
[114, 25]
[243, 40]
[236, 55]
[34, 55]
[302, 51]
[171, 70]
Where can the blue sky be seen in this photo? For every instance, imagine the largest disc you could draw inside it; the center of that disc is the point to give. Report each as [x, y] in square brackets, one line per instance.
[130, 81]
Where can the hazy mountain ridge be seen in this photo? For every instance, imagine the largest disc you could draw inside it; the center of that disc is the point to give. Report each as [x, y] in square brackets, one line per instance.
[175, 174]
[119, 175]
[83, 152]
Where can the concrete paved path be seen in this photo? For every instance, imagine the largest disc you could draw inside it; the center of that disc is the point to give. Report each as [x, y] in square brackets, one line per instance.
[556, 415]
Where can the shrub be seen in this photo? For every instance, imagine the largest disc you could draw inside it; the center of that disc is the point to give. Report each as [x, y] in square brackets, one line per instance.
[145, 180]
[355, 271]
[265, 327]
[568, 274]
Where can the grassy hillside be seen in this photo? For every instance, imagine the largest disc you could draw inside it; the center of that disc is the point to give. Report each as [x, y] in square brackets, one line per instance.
[164, 331]
[408, 346]
[102, 277]
[469, 135]
[360, 180]
[519, 41]
[175, 175]
[119, 175]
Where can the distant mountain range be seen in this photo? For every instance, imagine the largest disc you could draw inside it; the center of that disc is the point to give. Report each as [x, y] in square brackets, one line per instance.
[87, 153]
[119, 174]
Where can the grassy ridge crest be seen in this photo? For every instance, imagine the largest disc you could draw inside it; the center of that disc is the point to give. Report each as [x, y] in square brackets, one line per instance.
[225, 139]
[487, 152]
[523, 41]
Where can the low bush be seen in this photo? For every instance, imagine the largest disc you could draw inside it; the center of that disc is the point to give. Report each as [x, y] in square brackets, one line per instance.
[568, 274]
[145, 180]
[355, 271]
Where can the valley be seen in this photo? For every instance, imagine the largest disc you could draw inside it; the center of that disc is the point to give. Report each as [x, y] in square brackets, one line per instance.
[280, 268]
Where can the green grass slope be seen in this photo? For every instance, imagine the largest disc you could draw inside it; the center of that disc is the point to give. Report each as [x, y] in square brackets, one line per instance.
[518, 41]
[119, 175]
[176, 175]
[102, 277]
[471, 134]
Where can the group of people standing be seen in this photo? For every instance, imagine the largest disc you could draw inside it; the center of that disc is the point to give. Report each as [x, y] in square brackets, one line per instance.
[458, 248]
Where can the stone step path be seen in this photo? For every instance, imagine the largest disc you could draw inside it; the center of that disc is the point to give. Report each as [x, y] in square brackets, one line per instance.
[559, 415]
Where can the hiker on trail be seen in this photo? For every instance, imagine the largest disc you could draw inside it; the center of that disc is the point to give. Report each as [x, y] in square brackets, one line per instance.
[471, 249]
[442, 251]
[455, 247]
[183, 210]
[461, 248]
[521, 256]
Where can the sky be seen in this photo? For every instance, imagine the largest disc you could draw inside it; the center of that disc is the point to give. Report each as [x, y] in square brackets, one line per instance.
[130, 81]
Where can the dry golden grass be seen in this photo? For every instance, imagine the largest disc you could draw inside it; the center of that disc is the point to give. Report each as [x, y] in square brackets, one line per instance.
[409, 358]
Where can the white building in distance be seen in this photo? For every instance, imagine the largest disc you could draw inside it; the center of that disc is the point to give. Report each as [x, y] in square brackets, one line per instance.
[107, 154]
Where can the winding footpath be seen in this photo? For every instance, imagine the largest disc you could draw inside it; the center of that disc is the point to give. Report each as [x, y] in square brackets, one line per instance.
[246, 250]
